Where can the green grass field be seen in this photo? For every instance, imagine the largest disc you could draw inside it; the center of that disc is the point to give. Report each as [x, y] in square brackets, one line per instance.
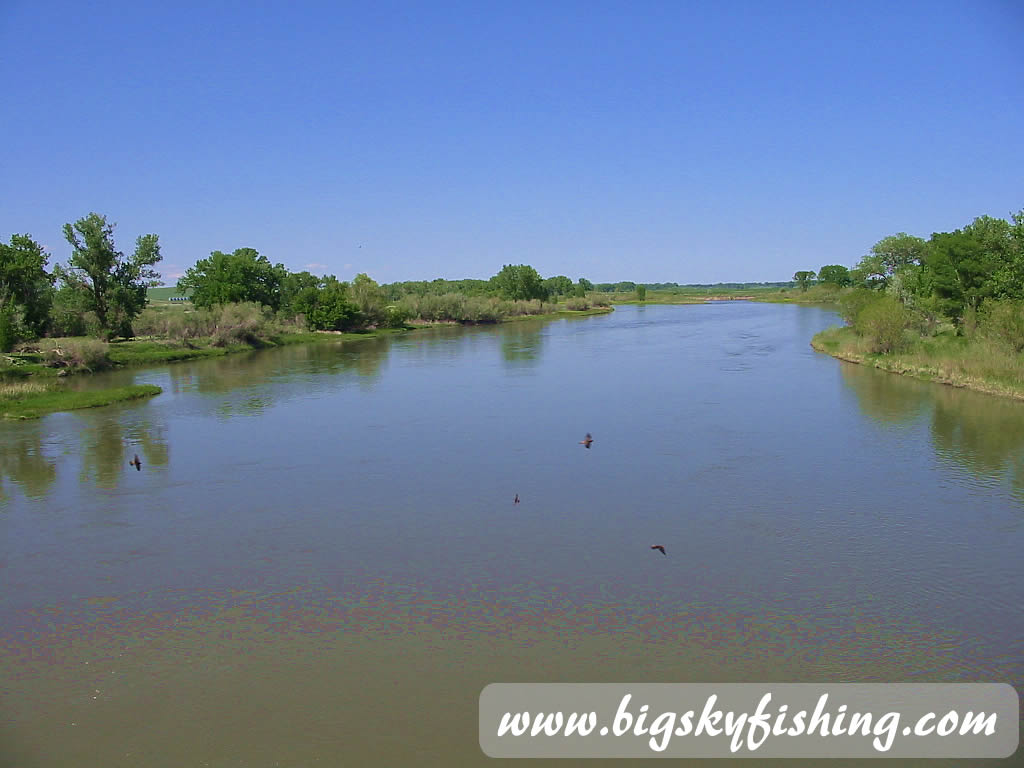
[163, 294]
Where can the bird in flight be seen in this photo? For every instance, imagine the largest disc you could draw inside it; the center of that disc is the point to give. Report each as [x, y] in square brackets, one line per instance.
[136, 463]
[517, 498]
[587, 440]
[660, 549]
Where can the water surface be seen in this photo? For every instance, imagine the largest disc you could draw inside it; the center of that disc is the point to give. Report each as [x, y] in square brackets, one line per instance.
[320, 561]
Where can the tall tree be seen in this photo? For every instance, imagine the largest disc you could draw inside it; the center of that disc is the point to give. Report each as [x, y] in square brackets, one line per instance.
[836, 274]
[887, 256]
[961, 270]
[559, 285]
[25, 289]
[227, 278]
[325, 303]
[1003, 243]
[803, 278]
[520, 282]
[113, 287]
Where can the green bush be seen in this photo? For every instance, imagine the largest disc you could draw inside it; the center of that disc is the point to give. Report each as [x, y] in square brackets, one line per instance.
[1002, 321]
[851, 303]
[242, 323]
[882, 323]
[76, 354]
[8, 332]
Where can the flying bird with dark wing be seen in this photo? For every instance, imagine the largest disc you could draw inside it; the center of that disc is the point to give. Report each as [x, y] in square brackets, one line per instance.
[517, 499]
[136, 463]
[660, 549]
[586, 441]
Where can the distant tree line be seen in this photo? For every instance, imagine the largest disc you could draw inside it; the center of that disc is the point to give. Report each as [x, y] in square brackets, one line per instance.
[102, 292]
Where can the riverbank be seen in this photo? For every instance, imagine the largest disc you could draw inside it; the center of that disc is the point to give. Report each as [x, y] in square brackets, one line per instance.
[32, 383]
[951, 360]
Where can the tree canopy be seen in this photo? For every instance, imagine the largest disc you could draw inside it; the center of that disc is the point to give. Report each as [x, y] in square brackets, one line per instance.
[242, 275]
[803, 278]
[520, 282]
[110, 285]
[25, 288]
[835, 274]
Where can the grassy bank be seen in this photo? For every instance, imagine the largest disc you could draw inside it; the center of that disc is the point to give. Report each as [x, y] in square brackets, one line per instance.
[979, 364]
[32, 399]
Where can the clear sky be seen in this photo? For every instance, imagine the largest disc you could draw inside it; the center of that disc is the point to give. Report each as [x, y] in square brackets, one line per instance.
[636, 140]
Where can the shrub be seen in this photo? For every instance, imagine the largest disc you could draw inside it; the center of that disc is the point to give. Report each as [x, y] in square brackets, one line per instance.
[242, 323]
[76, 354]
[851, 303]
[395, 316]
[882, 323]
[1001, 321]
[577, 304]
[8, 332]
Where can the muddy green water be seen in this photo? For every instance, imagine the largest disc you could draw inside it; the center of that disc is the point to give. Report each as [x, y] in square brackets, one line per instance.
[320, 562]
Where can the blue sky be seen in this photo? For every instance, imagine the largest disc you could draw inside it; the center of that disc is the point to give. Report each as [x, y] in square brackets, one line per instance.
[646, 141]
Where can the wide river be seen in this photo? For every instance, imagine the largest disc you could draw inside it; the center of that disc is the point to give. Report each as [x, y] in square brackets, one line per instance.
[320, 561]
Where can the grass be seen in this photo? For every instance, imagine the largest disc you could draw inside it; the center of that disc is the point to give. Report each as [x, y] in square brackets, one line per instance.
[816, 294]
[976, 363]
[30, 400]
[685, 295]
[164, 293]
[153, 352]
[700, 295]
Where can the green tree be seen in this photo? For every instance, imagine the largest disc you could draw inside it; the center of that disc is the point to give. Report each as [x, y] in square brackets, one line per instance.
[293, 286]
[520, 282]
[961, 270]
[327, 306]
[229, 278]
[582, 287]
[887, 256]
[835, 274]
[366, 294]
[558, 286]
[1004, 241]
[898, 251]
[112, 287]
[641, 293]
[26, 290]
[804, 278]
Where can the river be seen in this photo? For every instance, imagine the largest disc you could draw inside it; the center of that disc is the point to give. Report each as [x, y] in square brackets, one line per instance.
[321, 563]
